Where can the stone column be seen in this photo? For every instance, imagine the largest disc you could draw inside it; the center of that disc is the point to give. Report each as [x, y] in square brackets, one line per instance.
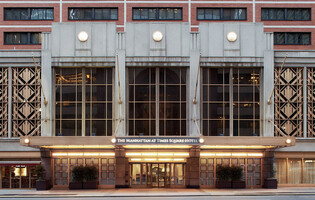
[268, 164]
[192, 168]
[45, 155]
[122, 168]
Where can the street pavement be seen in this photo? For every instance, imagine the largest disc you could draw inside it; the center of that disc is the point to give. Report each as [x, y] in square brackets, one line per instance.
[285, 193]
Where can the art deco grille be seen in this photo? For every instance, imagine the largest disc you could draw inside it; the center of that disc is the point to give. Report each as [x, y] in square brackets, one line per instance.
[311, 102]
[289, 101]
[3, 102]
[25, 102]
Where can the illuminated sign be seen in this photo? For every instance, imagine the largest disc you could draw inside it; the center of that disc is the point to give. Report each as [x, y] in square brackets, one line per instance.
[157, 140]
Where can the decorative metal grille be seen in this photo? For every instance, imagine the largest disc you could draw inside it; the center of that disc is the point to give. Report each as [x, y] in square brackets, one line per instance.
[311, 102]
[3, 102]
[26, 98]
[289, 102]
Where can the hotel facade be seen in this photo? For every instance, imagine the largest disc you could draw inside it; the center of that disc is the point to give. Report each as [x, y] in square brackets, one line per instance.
[157, 94]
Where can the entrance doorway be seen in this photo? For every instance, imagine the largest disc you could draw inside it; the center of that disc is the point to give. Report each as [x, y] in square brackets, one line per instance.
[157, 175]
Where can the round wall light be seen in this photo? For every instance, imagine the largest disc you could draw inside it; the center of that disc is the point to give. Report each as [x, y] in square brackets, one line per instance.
[157, 36]
[201, 140]
[231, 36]
[26, 141]
[83, 36]
[113, 140]
[288, 141]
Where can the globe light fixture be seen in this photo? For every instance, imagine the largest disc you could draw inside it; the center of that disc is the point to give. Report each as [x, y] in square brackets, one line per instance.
[288, 141]
[231, 36]
[83, 36]
[26, 141]
[157, 36]
[113, 140]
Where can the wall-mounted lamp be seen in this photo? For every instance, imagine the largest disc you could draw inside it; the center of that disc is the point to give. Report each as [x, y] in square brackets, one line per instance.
[231, 36]
[83, 36]
[26, 141]
[201, 140]
[113, 140]
[288, 141]
[157, 36]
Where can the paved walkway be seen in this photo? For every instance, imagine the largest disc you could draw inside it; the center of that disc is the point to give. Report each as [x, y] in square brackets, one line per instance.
[132, 192]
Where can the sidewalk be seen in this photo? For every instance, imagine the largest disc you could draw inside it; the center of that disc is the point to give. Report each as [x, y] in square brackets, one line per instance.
[156, 192]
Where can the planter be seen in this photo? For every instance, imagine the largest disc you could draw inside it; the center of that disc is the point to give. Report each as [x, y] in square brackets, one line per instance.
[75, 185]
[271, 183]
[90, 185]
[42, 185]
[223, 184]
[238, 184]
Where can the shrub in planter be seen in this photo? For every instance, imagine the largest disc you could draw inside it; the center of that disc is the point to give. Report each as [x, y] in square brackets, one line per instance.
[270, 183]
[236, 176]
[77, 177]
[41, 183]
[223, 174]
[90, 176]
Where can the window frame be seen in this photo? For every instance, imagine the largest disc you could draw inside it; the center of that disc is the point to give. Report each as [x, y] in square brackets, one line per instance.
[157, 13]
[81, 130]
[232, 100]
[286, 36]
[221, 13]
[29, 13]
[285, 14]
[93, 13]
[158, 101]
[29, 35]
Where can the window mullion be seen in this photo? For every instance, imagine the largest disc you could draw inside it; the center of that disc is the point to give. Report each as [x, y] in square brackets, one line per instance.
[157, 104]
[231, 100]
[83, 102]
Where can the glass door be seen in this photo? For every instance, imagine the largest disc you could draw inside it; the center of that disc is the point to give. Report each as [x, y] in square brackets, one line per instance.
[155, 175]
[162, 175]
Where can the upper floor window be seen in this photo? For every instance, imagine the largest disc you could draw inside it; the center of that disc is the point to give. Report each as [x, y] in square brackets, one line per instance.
[93, 14]
[221, 13]
[286, 14]
[23, 38]
[157, 14]
[231, 101]
[157, 102]
[292, 38]
[28, 13]
[84, 101]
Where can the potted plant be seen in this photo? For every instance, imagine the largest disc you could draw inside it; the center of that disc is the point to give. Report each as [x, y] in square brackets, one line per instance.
[90, 176]
[41, 183]
[271, 182]
[77, 178]
[223, 174]
[236, 176]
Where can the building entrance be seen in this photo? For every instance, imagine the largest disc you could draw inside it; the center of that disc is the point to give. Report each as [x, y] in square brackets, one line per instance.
[157, 175]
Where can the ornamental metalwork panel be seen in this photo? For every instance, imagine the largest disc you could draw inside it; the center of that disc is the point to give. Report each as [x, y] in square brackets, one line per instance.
[310, 102]
[289, 102]
[3, 102]
[26, 98]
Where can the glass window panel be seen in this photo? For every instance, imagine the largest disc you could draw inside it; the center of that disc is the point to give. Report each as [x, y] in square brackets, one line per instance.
[142, 93]
[218, 128]
[246, 128]
[309, 171]
[172, 75]
[142, 127]
[294, 171]
[173, 128]
[152, 14]
[173, 93]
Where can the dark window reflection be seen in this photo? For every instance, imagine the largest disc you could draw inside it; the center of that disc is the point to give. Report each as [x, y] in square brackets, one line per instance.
[98, 97]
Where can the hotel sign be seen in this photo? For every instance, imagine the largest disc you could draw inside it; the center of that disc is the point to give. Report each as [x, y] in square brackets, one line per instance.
[157, 140]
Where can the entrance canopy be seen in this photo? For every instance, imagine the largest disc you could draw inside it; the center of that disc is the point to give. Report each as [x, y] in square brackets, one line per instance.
[205, 142]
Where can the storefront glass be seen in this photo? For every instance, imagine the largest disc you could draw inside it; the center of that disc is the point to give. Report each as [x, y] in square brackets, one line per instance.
[295, 171]
[251, 169]
[18, 176]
